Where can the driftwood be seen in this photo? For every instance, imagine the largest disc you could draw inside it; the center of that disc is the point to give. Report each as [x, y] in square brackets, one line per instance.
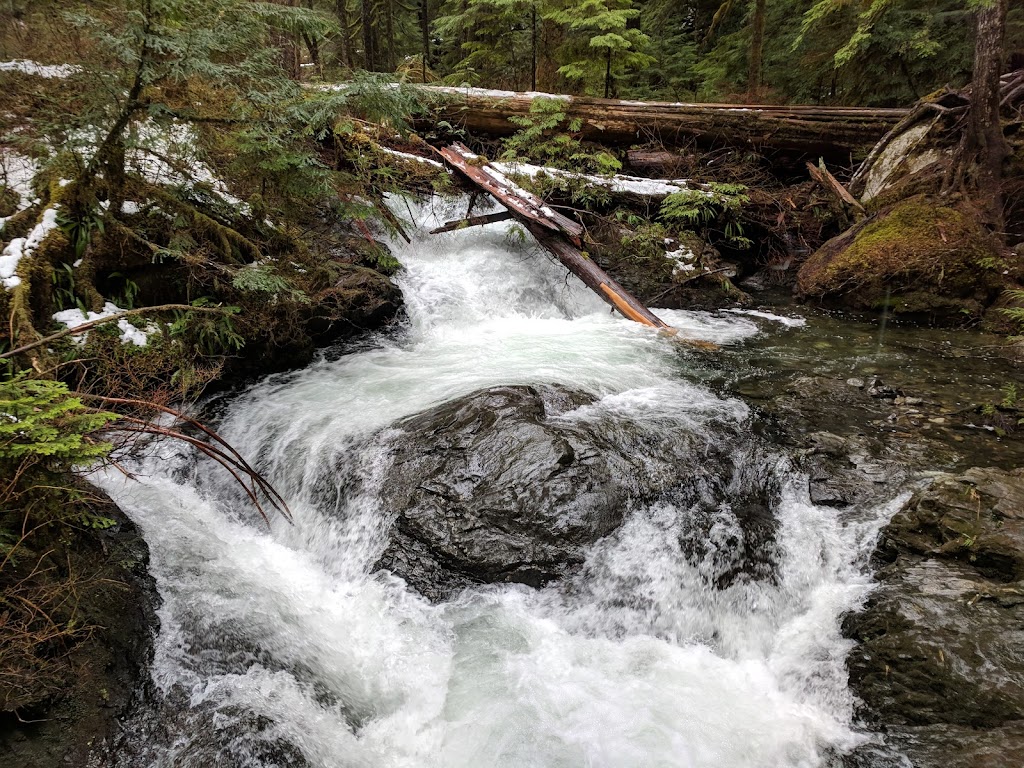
[472, 221]
[555, 232]
[833, 187]
[832, 132]
[651, 161]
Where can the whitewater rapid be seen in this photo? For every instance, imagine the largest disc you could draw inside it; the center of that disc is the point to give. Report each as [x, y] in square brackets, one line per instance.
[282, 646]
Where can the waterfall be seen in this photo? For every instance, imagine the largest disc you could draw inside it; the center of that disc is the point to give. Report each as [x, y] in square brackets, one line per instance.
[283, 646]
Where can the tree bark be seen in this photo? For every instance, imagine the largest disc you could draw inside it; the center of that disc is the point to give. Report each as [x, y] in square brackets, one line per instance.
[756, 48]
[424, 36]
[344, 48]
[608, 74]
[986, 129]
[369, 48]
[835, 133]
[533, 47]
[389, 33]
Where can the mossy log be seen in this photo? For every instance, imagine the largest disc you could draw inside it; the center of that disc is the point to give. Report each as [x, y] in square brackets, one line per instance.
[836, 133]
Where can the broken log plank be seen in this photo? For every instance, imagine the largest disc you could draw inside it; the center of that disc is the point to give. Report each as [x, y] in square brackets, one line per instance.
[472, 221]
[833, 132]
[833, 187]
[520, 202]
[557, 233]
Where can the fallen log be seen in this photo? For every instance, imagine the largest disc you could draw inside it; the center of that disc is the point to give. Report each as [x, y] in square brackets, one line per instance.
[597, 279]
[832, 132]
[651, 161]
[617, 186]
[555, 232]
[520, 203]
[472, 221]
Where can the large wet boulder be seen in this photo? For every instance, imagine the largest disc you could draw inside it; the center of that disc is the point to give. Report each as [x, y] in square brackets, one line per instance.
[940, 656]
[920, 257]
[516, 483]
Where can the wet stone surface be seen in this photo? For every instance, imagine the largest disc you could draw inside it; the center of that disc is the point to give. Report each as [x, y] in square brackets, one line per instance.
[939, 663]
[503, 486]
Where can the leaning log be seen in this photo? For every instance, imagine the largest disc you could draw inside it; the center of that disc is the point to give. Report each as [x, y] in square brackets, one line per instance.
[597, 279]
[836, 133]
[559, 234]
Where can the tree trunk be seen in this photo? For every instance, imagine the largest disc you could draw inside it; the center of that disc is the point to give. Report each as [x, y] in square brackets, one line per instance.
[986, 130]
[608, 74]
[832, 132]
[533, 48]
[756, 48]
[369, 48]
[389, 33]
[344, 49]
[424, 36]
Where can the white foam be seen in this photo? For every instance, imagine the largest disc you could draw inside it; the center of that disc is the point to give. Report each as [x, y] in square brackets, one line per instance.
[640, 663]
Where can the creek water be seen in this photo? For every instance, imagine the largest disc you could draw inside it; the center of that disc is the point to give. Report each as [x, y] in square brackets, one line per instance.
[281, 645]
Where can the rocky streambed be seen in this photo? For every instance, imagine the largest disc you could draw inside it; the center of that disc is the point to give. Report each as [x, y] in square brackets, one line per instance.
[528, 534]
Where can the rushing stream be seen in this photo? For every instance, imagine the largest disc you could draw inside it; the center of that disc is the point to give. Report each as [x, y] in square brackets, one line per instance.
[283, 646]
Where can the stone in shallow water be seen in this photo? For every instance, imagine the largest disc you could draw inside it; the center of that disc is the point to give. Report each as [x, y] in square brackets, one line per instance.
[938, 662]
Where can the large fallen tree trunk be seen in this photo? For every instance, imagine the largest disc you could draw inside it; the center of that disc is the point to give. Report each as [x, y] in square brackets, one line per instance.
[557, 233]
[836, 133]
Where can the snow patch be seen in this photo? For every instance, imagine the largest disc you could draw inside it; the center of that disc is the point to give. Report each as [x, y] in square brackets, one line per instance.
[16, 173]
[20, 247]
[411, 157]
[620, 183]
[42, 70]
[73, 318]
[685, 260]
[157, 144]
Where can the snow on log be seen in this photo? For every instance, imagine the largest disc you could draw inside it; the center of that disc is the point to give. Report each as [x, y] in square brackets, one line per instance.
[832, 132]
[557, 233]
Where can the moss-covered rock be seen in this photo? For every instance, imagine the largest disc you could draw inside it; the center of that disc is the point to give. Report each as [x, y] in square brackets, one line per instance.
[920, 257]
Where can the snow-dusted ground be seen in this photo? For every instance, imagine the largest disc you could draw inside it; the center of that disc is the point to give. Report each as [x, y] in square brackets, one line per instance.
[73, 318]
[42, 70]
[20, 247]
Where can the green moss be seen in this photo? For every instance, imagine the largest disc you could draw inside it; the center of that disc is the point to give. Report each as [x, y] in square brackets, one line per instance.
[917, 257]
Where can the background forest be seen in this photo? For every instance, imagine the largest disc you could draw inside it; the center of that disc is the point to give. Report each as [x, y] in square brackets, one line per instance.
[870, 52]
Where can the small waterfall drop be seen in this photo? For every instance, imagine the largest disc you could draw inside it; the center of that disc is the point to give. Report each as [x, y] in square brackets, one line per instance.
[284, 647]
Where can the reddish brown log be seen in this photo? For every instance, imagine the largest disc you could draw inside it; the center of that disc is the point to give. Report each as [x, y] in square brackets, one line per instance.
[596, 278]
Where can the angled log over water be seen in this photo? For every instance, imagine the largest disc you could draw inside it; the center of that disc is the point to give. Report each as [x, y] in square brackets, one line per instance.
[833, 132]
[558, 234]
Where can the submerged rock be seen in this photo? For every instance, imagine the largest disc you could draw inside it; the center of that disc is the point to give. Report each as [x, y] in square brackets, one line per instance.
[503, 486]
[938, 663]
